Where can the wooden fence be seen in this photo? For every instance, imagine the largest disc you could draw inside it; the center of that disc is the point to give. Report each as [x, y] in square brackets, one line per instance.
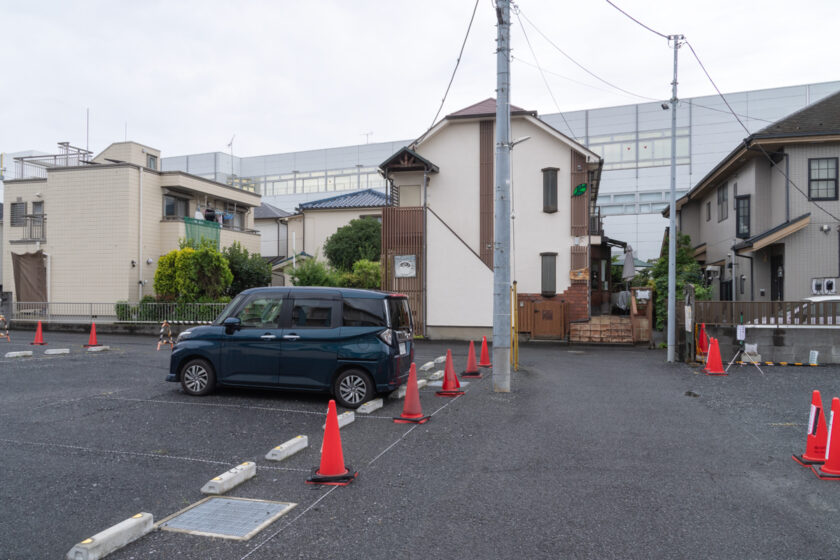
[805, 313]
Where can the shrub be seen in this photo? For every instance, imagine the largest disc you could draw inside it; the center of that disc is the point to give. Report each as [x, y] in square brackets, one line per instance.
[249, 270]
[358, 240]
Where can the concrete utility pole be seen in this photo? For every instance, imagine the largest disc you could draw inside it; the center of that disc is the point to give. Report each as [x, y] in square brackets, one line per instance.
[672, 229]
[501, 205]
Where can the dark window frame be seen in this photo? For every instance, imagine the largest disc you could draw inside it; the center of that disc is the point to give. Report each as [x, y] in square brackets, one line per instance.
[550, 189]
[152, 161]
[811, 179]
[722, 202]
[185, 202]
[17, 219]
[548, 274]
[708, 210]
[739, 200]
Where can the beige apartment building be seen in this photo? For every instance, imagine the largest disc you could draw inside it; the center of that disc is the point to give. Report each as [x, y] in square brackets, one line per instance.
[93, 229]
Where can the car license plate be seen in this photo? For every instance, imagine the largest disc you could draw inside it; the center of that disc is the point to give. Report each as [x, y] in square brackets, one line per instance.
[402, 348]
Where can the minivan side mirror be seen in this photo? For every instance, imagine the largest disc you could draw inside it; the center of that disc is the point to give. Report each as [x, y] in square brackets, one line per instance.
[232, 324]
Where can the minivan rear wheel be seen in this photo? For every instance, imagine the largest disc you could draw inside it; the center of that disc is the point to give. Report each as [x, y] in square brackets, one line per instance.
[197, 377]
[352, 388]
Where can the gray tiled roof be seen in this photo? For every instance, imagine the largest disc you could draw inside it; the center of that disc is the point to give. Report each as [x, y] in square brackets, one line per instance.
[266, 211]
[822, 117]
[368, 198]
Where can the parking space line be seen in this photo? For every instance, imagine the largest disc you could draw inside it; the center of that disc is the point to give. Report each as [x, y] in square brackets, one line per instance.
[139, 454]
[331, 490]
[241, 406]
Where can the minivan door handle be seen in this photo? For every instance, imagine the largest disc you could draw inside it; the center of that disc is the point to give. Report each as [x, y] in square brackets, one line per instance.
[268, 337]
[291, 337]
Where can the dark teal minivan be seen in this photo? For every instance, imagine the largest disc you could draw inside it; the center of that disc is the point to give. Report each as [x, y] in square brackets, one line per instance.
[350, 343]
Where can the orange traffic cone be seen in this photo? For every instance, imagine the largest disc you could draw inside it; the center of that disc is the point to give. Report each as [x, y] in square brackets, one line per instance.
[92, 338]
[703, 343]
[831, 469]
[451, 385]
[485, 356]
[714, 365]
[412, 412]
[472, 368]
[817, 436]
[332, 470]
[39, 336]
[4, 329]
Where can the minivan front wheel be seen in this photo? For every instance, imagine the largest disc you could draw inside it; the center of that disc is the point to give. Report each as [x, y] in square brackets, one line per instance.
[353, 388]
[197, 377]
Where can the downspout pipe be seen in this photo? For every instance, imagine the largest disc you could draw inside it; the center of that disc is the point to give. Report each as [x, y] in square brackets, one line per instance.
[425, 251]
[140, 237]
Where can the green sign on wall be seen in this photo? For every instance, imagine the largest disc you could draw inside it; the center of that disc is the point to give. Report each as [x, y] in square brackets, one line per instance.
[579, 190]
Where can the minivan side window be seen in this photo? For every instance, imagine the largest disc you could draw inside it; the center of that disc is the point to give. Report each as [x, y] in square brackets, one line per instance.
[363, 312]
[312, 313]
[261, 312]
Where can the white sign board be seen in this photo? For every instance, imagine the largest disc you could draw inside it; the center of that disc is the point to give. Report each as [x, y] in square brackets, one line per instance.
[689, 326]
[742, 332]
[405, 266]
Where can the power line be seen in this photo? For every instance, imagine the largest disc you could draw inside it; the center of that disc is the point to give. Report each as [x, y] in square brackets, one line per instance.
[454, 70]
[575, 62]
[551, 93]
[639, 22]
[759, 146]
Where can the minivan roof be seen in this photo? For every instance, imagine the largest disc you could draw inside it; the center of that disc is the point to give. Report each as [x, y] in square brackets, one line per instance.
[326, 291]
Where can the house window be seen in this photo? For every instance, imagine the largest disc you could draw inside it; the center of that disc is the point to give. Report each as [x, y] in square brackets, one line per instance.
[708, 210]
[151, 161]
[174, 207]
[17, 214]
[822, 179]
[549, 274]
[742, 216]
[38, 208]
[550, 189]
[722, 198]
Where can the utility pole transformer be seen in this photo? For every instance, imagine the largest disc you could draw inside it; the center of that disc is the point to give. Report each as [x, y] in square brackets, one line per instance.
[501, 206]
[672, 229]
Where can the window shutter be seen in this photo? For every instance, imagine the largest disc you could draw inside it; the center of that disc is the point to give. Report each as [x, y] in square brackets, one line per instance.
[549, 274]
[550, 189]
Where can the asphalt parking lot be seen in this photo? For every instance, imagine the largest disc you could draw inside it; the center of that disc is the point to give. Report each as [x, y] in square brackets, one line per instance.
[596, 453]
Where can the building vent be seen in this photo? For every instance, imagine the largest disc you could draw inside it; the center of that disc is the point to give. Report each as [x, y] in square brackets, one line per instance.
[829, 285]
[816, 286]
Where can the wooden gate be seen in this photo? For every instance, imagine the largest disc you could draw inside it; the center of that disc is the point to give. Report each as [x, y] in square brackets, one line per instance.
[542, 318]
[402, 235]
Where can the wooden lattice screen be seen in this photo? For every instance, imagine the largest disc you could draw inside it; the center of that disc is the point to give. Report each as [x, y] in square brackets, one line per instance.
[402, 234]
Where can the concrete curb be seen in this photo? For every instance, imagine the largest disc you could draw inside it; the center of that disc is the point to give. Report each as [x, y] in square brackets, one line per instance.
[399, 393]
[440, 360]
[22, 354]
[370, 406]
[98, 348]
[230, 479]
[436, 375]
[55, 351]
[428, 366]
[287, 449]
[344, 418]
[422, 383]
[113, 538]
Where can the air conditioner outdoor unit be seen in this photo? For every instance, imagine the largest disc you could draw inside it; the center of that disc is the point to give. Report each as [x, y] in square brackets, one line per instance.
[816, 286]
[829, 285]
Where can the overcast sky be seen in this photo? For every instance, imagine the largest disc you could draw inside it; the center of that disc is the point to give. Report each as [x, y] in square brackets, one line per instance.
[287, 76]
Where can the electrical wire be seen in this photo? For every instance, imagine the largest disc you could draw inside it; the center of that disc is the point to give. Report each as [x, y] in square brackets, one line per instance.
[545, 81]
[759, 146]
[575, 62]
[639, 22]
[454, 71]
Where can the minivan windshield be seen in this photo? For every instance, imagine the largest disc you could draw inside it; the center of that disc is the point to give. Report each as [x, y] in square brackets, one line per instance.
[227, 311]
[399, 314]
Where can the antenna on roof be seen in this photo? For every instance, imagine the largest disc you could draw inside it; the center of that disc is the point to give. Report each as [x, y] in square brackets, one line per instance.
[367, 136]
[230, 145]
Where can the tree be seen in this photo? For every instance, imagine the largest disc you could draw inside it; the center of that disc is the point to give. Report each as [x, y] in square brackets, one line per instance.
[193, 274]
[688, 271]
[358, 240]
[249, 270]
[312, 272]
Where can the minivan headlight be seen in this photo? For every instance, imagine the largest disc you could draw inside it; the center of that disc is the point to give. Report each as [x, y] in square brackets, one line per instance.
[183, 336]
[387, 336]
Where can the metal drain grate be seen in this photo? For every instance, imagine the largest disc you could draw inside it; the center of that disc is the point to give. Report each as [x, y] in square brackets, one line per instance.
[226, 518]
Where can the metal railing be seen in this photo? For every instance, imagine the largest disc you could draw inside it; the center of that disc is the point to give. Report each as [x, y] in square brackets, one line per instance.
[32, 227]
[596, 225]
[120, 312]
[784, 313]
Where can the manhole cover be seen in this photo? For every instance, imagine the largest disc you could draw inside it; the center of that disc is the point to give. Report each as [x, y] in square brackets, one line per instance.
[226, 518]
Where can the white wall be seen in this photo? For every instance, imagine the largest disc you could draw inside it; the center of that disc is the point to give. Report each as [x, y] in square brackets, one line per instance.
[459, 286]
[272, 237]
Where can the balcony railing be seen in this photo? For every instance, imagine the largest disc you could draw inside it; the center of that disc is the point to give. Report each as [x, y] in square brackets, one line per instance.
[30, 228]
[596, 225]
